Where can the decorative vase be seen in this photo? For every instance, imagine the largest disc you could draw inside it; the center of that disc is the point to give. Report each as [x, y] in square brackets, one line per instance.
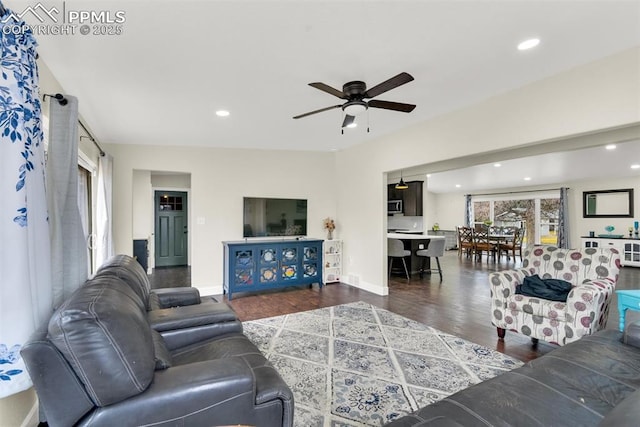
[329, 234]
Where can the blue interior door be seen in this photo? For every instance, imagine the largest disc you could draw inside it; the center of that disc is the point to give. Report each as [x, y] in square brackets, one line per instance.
[171, 228]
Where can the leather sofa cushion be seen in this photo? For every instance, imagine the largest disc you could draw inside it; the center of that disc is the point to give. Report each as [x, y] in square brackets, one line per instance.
[269, 384]
[130, 272]
[105, 337]
[626, 413]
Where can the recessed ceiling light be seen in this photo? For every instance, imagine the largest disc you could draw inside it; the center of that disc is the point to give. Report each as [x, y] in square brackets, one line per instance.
[222, 113]
[458, 185]
[635, 166]
[352, 125]
[527, 178]
[497, 165]
[610, 146]
[528, 44]
[428, 175]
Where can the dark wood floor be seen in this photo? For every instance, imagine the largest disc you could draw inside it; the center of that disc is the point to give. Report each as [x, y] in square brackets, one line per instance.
[458, 305]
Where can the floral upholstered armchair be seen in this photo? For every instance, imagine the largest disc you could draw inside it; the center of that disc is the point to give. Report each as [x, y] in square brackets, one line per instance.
[593, 274]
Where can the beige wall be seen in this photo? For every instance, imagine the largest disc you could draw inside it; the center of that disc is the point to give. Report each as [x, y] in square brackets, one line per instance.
[600, 95]
[584, 225]
[220, 178]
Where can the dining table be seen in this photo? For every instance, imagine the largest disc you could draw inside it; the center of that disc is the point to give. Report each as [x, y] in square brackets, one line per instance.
[498, 239]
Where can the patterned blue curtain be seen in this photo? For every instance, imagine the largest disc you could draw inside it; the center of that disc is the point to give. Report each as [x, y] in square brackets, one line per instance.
[468, 211]
[25, 267]
[563, 220]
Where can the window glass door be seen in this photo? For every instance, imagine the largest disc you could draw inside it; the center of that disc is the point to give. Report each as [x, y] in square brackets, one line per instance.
[537, 216]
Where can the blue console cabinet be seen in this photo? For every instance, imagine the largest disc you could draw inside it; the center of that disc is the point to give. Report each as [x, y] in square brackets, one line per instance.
[251, 266]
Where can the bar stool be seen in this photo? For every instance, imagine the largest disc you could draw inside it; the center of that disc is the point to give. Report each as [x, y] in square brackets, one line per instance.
[434, 250]
[395, 249]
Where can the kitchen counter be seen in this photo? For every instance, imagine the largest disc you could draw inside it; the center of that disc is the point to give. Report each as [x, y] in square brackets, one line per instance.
[411, 236]
[413, 243]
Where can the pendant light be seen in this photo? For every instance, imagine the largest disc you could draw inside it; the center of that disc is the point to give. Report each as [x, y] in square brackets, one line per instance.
[401, 185]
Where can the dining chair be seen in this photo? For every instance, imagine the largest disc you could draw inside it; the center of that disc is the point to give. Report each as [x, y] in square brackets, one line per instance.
[434, 250]
[395, 249]
[465, 240]
[513, 245]
[482, 243]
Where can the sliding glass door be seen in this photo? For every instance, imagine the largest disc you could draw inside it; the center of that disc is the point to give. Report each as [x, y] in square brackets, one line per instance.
[536, 214]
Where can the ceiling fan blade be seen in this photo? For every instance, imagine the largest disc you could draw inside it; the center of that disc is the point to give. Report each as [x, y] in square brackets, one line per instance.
[317, 111]
[348, 120]
[388, 105]
[326, 88]
[385, 86]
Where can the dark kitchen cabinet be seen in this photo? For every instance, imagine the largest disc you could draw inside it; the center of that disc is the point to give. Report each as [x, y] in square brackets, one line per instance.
[412, 201]
[411, 197]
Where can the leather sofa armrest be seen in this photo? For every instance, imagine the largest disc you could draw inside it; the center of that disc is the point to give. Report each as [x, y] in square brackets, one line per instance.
[174, 297]
[190, 316]
[193, 394]
[632, 335]
[179, 338]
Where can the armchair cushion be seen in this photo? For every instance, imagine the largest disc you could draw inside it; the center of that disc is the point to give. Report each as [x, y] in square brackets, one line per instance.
[593, 274]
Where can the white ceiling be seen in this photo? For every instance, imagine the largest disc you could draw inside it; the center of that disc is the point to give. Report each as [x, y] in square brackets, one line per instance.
[546, 169]
[177, 62]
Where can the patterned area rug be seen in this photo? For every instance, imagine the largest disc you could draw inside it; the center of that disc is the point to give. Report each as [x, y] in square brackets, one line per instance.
[359, 365]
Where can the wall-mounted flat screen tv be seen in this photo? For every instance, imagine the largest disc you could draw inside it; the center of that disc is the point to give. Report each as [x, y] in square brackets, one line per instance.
[264, 217]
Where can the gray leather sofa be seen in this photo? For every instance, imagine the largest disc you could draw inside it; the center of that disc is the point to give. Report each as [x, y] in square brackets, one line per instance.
[98, 362]
[173, 311]
[590, 382]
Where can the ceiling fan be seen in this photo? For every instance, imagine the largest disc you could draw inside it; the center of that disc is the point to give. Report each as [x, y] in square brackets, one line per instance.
[355, 94]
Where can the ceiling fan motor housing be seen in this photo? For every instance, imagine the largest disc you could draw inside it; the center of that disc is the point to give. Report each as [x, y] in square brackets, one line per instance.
[354, 90]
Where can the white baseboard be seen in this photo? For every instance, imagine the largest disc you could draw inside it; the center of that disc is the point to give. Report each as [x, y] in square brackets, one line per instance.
[369, 287]
[33, 417]
[209, 290]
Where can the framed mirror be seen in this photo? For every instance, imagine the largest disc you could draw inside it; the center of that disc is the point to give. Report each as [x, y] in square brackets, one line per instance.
[608, 203]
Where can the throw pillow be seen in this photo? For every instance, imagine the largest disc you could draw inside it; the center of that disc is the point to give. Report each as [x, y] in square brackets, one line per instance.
[549, 289]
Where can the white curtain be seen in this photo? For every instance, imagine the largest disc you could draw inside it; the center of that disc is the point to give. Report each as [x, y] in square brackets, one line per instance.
[468, 210]
[104, 243]
[68, 243]
[84, 199]
[25, 273]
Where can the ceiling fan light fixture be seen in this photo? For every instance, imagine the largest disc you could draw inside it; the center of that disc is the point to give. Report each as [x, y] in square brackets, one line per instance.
[354, 108]
[352, 125]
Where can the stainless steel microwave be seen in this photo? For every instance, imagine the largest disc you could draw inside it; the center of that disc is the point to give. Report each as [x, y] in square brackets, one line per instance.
[394, 206]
